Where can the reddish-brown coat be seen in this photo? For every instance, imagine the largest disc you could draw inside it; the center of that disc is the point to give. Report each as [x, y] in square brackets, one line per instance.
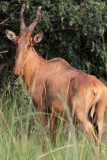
[53, 83]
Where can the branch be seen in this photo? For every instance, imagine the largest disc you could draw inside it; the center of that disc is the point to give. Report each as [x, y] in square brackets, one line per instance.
[3, 52]
[3, 22]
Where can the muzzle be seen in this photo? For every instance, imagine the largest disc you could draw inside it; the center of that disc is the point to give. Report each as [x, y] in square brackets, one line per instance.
[19, 72]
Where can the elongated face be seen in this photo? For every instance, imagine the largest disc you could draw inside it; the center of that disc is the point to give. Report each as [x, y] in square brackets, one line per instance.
[24, 41]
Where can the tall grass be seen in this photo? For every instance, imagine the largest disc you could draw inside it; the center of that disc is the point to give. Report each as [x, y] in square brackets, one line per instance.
[21, 131]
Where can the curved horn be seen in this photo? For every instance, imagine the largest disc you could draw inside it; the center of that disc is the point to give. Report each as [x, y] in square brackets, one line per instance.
[22, 24]
[33, 24]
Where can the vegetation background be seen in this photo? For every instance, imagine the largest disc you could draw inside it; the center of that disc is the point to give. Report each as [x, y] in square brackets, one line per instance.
[75, 30]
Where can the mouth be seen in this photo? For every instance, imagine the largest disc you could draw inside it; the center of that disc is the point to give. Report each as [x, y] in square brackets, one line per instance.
[21, 75]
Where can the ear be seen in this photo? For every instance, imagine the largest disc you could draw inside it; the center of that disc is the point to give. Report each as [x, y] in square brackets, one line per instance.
[11, 35]
[38, 37]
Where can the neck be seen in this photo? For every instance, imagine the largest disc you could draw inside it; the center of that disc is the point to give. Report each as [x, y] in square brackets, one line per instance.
[33, 65]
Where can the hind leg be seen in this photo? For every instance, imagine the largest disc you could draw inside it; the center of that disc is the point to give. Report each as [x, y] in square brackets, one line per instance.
[89, 130]
[98, 124]
[87, 125]
[98, 119]
[99, 112]
[82, 118]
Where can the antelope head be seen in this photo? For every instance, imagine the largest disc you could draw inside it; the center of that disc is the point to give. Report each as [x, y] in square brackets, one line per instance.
[24, 41]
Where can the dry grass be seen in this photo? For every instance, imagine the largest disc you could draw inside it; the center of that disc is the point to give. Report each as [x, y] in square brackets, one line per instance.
[20, 132]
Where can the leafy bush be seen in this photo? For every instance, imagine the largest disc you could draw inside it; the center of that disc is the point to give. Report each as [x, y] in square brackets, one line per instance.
[74, 30]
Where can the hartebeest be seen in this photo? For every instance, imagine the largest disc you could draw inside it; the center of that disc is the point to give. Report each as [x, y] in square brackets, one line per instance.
[51, 82]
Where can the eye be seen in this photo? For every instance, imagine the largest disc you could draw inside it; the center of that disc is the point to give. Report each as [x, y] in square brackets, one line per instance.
[28, 46]
[16, 45]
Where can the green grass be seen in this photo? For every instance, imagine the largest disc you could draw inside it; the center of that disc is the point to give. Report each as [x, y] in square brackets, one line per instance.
[21, 132]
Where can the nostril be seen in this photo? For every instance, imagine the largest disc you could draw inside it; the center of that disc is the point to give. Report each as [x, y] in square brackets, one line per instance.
[15, 72]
